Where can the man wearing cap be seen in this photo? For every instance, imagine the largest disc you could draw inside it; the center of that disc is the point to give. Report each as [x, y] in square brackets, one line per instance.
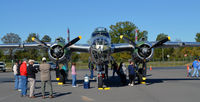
[31, 77]
[45, 77]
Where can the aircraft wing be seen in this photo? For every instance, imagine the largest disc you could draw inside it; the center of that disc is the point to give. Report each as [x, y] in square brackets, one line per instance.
[80, 47]
[22, 45]
[178, 44]
[121, 47]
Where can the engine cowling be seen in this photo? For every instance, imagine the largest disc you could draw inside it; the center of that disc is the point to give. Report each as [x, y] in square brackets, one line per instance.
[144, 52]
[56, 52]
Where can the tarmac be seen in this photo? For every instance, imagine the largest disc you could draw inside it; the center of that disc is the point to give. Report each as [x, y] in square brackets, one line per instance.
[162, 85]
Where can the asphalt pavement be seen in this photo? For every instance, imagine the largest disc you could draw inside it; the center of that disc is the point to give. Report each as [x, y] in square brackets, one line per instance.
[163, 85]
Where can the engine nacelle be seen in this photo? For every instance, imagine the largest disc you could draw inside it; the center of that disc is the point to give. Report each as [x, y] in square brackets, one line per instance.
[143, 52]
[56, 52]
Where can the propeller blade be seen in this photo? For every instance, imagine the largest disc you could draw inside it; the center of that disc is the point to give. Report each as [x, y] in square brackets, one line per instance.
[40, 42]
[159, 43]
[72, 42]
[128, 40]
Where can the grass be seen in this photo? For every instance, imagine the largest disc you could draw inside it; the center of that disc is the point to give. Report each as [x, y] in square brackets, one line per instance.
[80, 65]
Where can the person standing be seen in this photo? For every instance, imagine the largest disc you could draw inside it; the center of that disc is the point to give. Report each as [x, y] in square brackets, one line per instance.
[16, 74]
[23, 73]
[31, 77]
[189, 72]
[131, 70]
[65, 68]
[114, 68]
[63, 73]
[106, 70]
[195, 67]
[73, 69]
[123, 73]
[198, 69]
[45, 76]
[18, 71]
[91, 68]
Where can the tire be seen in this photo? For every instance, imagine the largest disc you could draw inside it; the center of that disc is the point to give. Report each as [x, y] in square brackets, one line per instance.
[139, 78]
[4, 70]
[100, 82]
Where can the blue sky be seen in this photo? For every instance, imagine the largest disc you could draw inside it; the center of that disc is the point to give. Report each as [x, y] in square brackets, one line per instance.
[180, 19]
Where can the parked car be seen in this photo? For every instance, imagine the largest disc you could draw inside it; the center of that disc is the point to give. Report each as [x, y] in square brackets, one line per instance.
[36, 65]
[3, 66]
[53, 66]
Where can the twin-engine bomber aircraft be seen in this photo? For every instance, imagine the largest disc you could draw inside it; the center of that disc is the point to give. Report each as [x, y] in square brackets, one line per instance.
[100, 50]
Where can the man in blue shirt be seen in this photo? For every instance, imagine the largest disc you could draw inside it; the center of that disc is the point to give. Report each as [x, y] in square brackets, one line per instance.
[195, 65]
[131, 71]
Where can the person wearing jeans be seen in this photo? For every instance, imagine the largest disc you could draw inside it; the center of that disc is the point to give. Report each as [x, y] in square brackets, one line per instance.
[16, 76]
[195, 66]
[23, 73]
[73, 69]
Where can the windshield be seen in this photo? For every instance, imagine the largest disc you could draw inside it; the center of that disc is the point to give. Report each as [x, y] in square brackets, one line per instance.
[36, 63]
[1, 63]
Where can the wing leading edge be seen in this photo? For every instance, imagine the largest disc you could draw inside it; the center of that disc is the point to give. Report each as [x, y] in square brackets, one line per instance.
[22, 45]
[178, 44]
[121, 47]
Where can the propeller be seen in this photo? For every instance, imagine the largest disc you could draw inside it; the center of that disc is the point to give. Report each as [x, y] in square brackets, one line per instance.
[161, 42]
[67, 45]
[128, 40]
[40, 42]
[72, 42]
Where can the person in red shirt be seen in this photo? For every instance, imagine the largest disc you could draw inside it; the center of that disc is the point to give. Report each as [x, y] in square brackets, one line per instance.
[23, 73]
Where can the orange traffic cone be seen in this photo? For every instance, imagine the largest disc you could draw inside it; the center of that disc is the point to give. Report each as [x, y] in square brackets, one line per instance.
[150, 68]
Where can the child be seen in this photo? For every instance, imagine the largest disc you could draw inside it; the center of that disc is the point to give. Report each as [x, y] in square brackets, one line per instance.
[189, 74]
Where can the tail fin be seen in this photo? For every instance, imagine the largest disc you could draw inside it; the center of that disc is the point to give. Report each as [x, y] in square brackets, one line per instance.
[68, 38]
[136, 37]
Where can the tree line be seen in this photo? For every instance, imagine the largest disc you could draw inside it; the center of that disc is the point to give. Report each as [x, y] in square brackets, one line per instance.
[125, 28]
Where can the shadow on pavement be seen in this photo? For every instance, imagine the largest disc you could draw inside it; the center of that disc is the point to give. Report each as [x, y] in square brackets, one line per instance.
[154, 81]
[56, 94]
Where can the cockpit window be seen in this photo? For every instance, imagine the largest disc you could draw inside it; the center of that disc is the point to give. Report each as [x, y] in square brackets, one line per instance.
[100, 34]
[100, 31]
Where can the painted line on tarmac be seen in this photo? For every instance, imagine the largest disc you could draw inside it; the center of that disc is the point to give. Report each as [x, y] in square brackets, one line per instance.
[87, 99]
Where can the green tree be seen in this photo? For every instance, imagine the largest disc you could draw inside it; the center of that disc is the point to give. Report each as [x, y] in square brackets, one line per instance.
[44, 52]
[32, 53]
[127, 29]
[11, 38]
[75, 57]
[161, 53]
[61, 39]
[46, 38]
[31, 35]
[197, 38]
[84, 57]
[1, 53]
[122, 28]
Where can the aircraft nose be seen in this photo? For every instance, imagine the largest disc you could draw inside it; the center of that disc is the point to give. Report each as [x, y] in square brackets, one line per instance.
[101, 44]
